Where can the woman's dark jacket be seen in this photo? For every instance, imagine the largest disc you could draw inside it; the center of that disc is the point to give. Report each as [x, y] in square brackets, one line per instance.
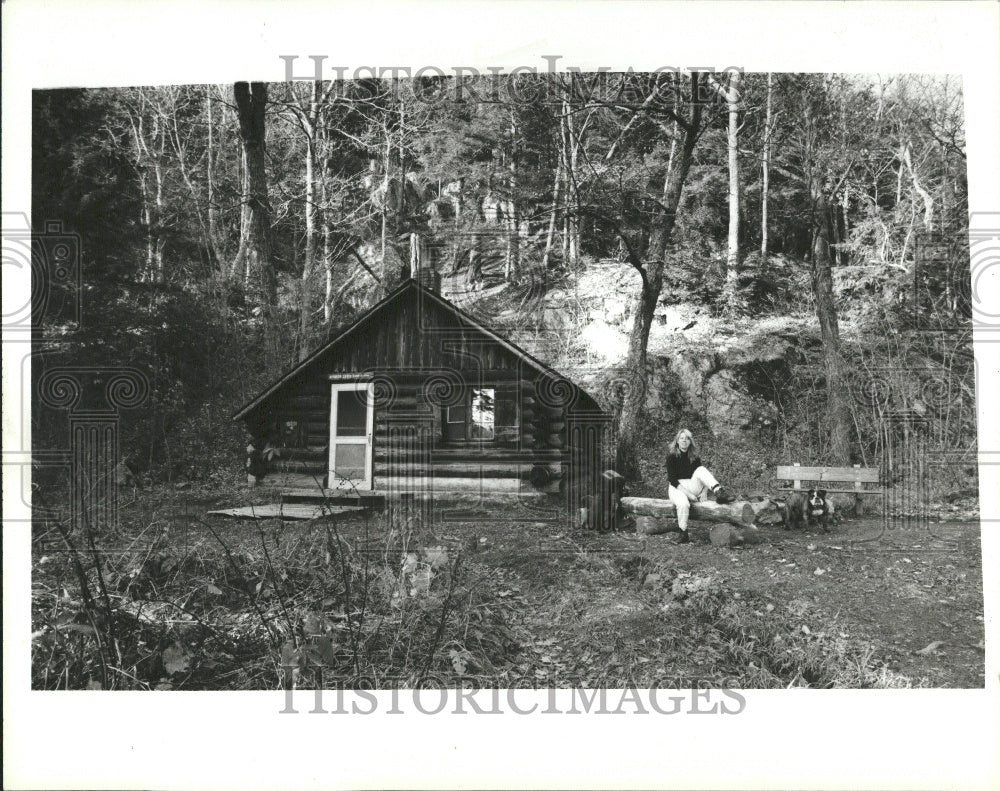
[681, 466]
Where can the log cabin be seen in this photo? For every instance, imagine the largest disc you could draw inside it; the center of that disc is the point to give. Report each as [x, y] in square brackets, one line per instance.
[416, 396]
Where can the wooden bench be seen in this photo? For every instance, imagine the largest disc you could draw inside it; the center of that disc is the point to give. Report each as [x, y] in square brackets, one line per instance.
[834, 480]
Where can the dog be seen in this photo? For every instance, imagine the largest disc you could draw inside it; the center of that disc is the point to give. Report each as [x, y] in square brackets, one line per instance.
[807, 507]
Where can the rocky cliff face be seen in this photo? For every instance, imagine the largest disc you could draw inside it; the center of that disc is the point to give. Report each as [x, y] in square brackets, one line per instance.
[699, 365]
[707, 384]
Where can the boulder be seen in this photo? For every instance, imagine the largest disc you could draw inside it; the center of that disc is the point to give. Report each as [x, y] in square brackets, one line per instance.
[729, 410]
[689, 368]
[726, 409]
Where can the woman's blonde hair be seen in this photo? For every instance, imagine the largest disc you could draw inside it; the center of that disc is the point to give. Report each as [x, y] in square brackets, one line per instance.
[675, 448]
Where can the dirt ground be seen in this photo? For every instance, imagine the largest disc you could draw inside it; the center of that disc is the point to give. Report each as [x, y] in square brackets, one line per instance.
[535, 603]
[911, 599]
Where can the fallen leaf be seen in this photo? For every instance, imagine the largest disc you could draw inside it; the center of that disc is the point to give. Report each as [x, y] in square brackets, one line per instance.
[930, 648]
[436, 557]
[805, 629]
[314, 624]
[458, 661]
[212, 589]
[819, 572]
[176, 659]
[289, 655]
[324, 650]
[409, 563]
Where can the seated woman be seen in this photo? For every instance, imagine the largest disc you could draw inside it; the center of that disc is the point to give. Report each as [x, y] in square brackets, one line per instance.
[690, 481]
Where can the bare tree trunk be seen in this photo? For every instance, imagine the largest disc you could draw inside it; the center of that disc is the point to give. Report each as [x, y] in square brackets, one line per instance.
[243, 253]
[571, 223]
[845, 208]
[308, 265]
[206, 227]
[925, 196]
[513, 257]
[147, 221]
[553, 214]
[327, 258]
[213, 224]
[385, 219]
[152, 200]
[838, 410]
[567, 182]
[310, 251]
[838, 250]
[766, 168]
[899, 184]
[158, 217]
[733, 247]
[630, 428]
[574, 227]
[251, 102]
[240, 259]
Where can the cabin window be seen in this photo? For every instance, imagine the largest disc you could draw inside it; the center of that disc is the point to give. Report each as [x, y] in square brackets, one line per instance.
[486, 414]
[483, 421]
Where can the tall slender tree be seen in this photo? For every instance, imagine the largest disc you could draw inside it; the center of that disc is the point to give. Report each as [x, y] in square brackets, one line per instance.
[254, 255]
[732, 93]
[765, 166]
[685, 111]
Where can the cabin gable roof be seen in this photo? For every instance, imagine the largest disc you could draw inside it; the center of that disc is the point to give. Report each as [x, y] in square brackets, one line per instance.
[331, 351]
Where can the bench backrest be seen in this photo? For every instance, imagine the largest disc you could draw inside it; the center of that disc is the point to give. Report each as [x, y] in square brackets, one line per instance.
[856, 475]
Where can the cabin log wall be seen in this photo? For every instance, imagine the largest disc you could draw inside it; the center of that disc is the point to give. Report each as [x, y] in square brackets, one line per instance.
[420, 357]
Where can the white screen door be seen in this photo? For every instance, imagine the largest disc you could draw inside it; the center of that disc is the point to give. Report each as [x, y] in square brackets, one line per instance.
[352, 419]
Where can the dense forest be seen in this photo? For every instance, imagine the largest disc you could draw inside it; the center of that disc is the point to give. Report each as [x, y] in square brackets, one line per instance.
[777, 259]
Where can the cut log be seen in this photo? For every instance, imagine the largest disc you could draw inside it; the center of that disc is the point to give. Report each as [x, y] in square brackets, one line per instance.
[732, 513]
[654, 525]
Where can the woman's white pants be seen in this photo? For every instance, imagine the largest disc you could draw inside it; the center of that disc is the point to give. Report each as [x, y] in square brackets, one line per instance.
[691, 490]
